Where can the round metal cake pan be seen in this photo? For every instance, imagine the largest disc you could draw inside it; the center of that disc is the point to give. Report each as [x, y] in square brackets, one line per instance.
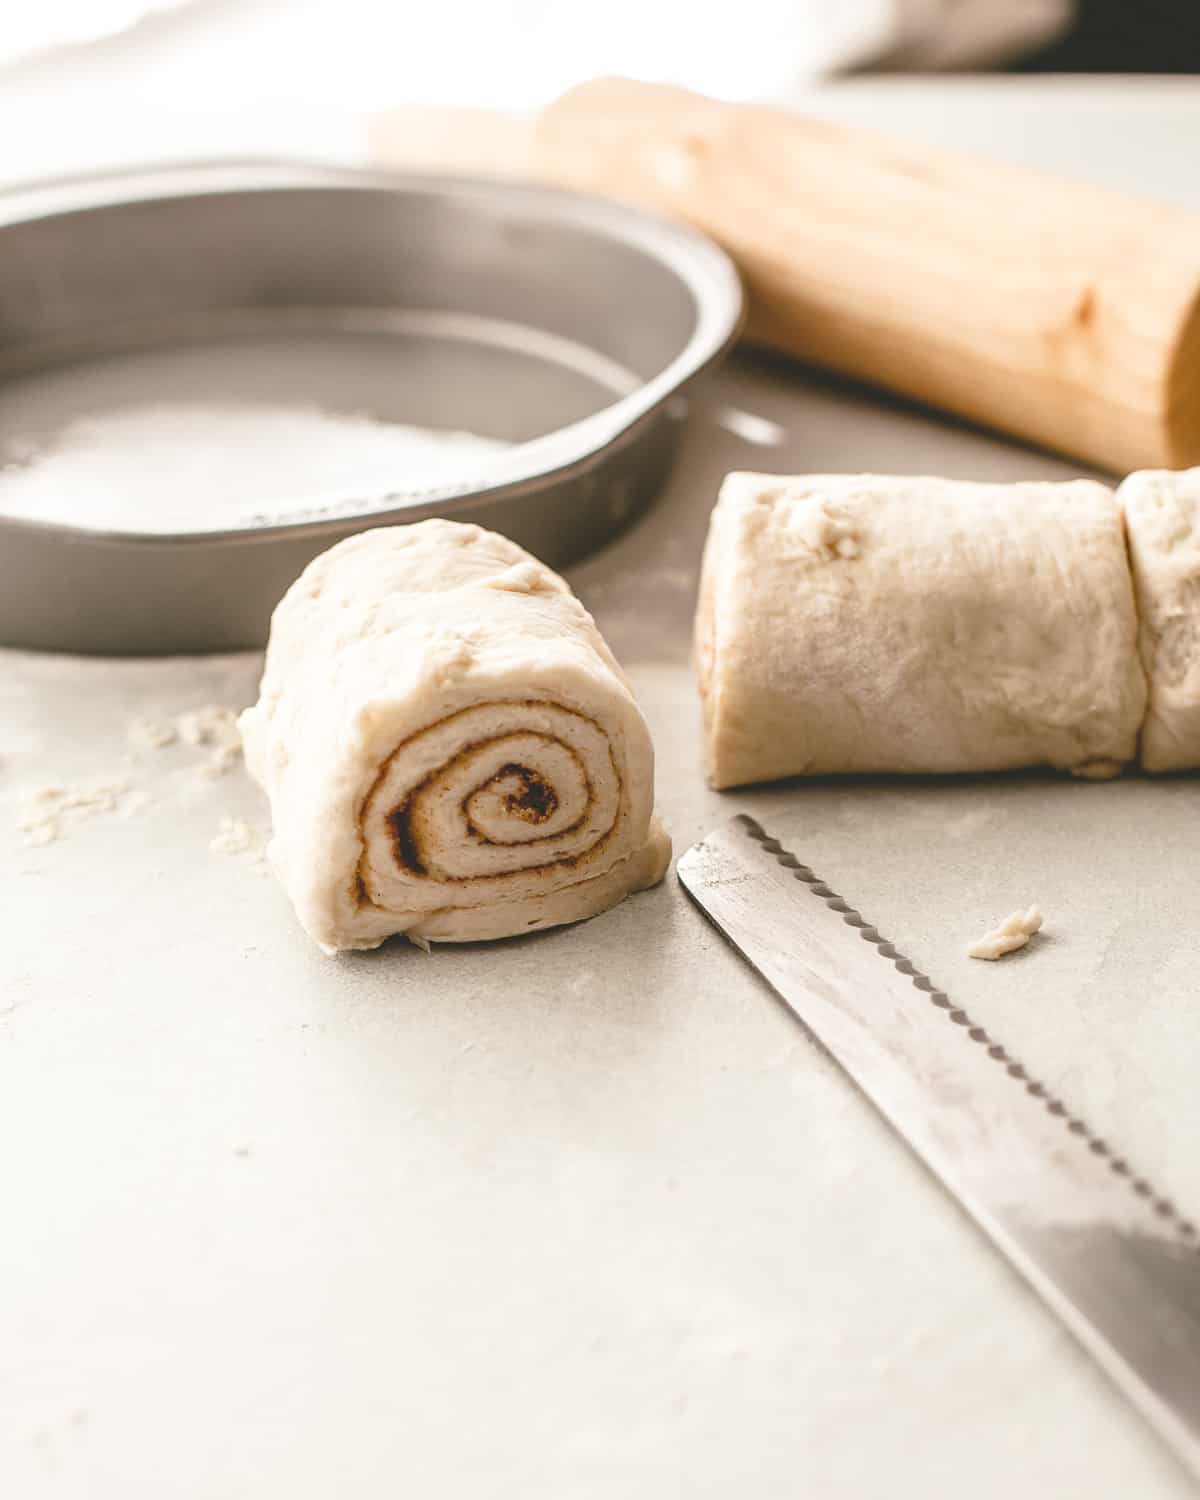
[566, 325]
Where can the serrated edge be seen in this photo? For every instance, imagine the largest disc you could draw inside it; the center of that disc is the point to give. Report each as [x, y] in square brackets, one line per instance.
[1003, 1058]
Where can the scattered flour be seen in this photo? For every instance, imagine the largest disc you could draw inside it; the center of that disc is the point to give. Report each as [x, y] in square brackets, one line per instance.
[49, 811]
[214, 724]
[221, 761]
[234, 836]
[52, 809]
[202, 466]
[214, 728]
[1013, 933]
[152, 734]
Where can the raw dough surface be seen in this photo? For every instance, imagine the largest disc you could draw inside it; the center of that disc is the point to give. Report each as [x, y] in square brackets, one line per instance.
[449, 747]
[865, 623]
[1162, 516]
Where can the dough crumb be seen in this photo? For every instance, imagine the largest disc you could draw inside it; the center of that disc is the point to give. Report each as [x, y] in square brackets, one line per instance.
[53, 808]
[212, 728]
[214, 724]
[45, 831]
[221, 762]
[1013, 933]
[419, 942]
[152, 734]
[234, 836]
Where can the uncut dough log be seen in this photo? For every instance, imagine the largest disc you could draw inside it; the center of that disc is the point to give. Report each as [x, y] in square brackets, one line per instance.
[865, 623]
[1162, 517]
[449, 748]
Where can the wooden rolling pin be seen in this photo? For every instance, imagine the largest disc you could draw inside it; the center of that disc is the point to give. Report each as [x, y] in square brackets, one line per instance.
[1062, 313]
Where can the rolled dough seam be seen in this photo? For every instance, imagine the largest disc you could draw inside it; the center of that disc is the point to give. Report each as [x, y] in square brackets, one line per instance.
[1162, 515]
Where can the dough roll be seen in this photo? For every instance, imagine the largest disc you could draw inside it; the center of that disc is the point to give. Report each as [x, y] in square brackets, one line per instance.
[863, 623]
[1162, 517]
[449, 748]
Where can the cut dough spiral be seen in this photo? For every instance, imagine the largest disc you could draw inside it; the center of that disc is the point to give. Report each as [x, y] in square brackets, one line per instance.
[510, 790]
[449, 747]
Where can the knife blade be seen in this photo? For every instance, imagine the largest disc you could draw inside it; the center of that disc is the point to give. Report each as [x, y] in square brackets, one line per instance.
[1112, 1257]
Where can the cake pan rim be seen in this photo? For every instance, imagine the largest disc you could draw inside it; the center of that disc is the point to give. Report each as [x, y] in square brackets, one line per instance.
[696, 261]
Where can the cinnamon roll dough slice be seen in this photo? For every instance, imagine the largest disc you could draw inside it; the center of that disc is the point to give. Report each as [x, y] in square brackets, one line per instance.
[1162, 517]
[873, 624]
[449, 748]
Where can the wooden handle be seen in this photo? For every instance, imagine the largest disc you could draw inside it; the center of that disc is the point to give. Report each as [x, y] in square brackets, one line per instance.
[1063, 313]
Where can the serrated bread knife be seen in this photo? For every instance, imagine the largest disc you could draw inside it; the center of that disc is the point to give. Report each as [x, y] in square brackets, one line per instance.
[1110, 1255]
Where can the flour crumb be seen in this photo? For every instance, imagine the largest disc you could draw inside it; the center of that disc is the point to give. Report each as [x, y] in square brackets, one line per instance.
[1013, 933]
[152, 734]
[234, 836]
[212, 728]
[220, 762]
[214, 724]
[46, 830]
[52, 809]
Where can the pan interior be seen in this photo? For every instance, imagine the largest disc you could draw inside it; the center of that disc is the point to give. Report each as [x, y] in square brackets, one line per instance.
[218, 359]
[266, 415]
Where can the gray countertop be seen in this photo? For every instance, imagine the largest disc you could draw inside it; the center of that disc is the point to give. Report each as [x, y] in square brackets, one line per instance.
[585, 1214]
